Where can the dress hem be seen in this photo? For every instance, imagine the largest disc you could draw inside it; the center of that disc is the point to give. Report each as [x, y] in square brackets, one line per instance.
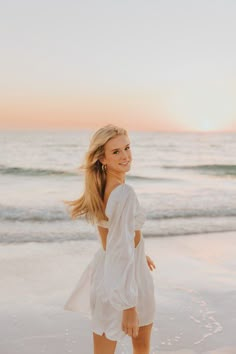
[100, 333]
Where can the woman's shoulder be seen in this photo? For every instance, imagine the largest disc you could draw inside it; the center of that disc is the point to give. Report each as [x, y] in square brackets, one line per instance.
[122, 193]
[129, 188]
[123, 190]
[119, 195]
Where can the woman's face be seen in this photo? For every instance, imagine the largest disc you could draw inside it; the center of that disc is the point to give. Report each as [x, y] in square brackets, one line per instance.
[118, 155]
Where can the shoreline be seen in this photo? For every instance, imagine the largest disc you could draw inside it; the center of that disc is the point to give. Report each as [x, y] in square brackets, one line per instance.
[194, 286]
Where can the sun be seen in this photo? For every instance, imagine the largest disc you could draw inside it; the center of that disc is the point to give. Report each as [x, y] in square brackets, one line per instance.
[201, 106]
[207, 125]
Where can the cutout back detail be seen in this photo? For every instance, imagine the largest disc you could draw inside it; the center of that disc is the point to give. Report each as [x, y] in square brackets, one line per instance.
[103, 236]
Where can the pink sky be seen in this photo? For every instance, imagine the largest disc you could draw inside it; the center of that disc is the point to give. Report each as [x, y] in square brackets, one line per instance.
[170, 110]
[159, 65]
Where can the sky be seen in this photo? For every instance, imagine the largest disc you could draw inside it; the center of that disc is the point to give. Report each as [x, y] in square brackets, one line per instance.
[162, 65]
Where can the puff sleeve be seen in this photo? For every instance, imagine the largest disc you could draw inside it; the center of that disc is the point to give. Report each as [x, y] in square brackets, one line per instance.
[119, 268]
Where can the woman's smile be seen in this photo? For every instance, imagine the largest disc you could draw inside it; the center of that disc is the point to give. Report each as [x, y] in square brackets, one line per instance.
[124, 163]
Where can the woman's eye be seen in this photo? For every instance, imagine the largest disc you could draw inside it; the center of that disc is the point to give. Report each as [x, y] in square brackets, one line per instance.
[117, 151]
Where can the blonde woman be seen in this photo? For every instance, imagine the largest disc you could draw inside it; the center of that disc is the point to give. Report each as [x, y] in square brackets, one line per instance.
[117, 281]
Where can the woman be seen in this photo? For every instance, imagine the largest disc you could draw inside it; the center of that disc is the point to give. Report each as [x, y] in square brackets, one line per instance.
[117, 281]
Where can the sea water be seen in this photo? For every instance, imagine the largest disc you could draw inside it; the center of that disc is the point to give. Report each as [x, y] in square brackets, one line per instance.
[186, 182]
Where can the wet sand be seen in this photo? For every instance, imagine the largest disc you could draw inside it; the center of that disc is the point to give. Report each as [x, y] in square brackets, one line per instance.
[195, 296]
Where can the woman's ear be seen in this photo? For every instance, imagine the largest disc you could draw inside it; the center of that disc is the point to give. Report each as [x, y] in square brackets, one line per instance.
[103, 161]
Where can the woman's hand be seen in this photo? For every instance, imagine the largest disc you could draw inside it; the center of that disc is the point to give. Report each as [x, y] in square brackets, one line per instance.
[150, 263]
[130, 322]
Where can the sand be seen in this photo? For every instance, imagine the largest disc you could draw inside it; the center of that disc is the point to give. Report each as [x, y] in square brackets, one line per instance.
[195, 295]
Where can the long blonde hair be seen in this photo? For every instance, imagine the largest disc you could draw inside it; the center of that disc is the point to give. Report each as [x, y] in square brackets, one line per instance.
[91, 203]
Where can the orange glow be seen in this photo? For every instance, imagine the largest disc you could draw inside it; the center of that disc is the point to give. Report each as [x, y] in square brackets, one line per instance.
[132, 112]
[170, 109]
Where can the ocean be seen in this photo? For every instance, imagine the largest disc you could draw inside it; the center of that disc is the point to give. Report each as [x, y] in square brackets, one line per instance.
[186, 182]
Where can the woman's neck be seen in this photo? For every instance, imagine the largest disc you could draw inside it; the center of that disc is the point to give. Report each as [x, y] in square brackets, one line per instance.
[114, 177]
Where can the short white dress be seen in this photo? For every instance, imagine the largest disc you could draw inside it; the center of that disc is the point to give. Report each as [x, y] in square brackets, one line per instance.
[119, 277]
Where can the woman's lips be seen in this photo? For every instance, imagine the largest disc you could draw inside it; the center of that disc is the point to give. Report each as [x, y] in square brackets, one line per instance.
[124, 163]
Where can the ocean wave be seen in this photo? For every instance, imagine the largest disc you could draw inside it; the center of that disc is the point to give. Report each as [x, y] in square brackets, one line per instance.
[191, 232]
[9, 213]
[38, 237]
[60, 237]
[214, 169]
[58, 213]
[36, 172]
[24, 171]
[192, 213]
[150, 178]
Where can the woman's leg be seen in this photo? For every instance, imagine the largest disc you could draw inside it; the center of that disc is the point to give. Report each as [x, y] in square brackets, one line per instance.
[102, 345]
[141, 344]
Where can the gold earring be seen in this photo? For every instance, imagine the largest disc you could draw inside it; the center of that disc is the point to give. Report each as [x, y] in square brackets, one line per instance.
[104, 168]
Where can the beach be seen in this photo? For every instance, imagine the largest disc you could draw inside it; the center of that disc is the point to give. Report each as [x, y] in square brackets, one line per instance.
[195, 293]
[185, 183]
[164, 71]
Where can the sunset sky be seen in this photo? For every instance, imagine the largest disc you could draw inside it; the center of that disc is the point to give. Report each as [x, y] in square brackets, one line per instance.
[161, 65]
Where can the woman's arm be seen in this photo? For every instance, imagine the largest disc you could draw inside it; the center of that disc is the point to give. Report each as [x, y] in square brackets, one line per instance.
[119, 269]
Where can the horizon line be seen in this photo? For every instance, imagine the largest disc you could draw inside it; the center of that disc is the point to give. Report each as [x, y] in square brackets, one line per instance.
[88, 129]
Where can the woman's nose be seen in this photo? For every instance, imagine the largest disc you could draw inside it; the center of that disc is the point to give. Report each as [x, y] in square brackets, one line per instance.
[124, 155]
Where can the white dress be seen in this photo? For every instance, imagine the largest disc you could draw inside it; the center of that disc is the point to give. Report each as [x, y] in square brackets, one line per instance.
[119, 277]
